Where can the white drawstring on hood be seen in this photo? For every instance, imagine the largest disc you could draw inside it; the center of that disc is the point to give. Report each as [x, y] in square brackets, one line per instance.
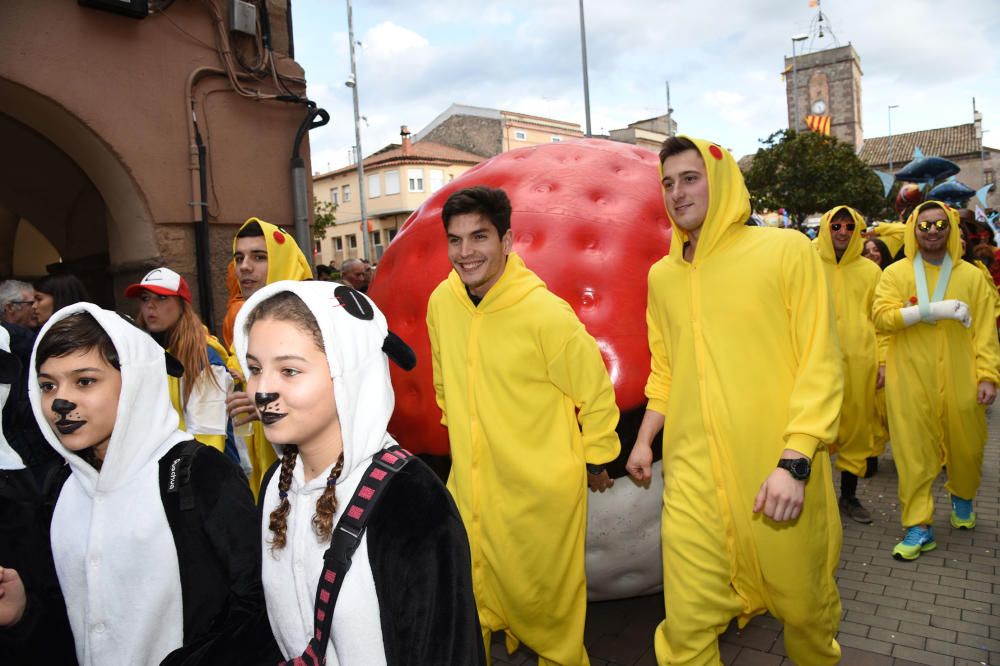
[113, 549]
[9, 459]
[359, 368]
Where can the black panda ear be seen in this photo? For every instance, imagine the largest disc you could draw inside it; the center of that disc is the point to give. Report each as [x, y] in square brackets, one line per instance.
[10, 367]
[174, 367]
[399, 352]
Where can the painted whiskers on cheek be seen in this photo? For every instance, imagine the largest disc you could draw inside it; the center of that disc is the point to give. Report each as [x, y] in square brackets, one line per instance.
[64, 408]
[264, 401]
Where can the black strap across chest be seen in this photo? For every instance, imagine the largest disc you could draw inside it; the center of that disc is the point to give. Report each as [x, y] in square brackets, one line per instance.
[343, 543]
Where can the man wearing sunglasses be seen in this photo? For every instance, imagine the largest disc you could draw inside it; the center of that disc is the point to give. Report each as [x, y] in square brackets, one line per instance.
[852, 280]
[941, 371]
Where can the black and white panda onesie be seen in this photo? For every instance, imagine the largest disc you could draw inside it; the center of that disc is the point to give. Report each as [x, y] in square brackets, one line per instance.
[23, 547]
[407, 598]
[142, 582]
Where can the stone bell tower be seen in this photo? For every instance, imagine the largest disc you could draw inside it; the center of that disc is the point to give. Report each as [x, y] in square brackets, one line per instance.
[828, 84]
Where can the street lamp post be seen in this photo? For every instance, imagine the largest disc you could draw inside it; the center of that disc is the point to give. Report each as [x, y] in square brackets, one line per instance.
[352, 83]
[586, 79]
[795, 82]
[891, 107]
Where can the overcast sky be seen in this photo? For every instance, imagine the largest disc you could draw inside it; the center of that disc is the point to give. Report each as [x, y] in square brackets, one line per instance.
[723, 60]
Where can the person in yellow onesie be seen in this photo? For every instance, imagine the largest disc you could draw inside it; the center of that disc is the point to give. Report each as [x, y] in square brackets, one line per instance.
[941, 371]
[531, 418]
[262, 253]
[852, 280]
[746, 382]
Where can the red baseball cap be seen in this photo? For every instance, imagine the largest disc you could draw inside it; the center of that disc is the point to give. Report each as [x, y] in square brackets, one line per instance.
[161, 281]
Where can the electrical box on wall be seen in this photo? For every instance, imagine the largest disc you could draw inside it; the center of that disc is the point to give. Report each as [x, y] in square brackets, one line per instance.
[242, 17]
[134, 8]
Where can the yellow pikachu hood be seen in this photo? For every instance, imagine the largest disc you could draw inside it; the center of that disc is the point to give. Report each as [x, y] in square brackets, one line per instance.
[954, 236]
[285, 260]
[825, 238]
[729, 199]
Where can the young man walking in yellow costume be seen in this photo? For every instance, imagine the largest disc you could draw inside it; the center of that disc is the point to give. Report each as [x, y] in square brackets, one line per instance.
[262, 253]
[746, 382]
[941, 371]
[531, 417]
[852, 280]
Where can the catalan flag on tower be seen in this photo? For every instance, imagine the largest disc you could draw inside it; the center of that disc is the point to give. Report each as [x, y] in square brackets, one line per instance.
[819, 124]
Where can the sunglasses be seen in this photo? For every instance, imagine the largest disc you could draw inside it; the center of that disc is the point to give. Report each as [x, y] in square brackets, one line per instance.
[940, 225]
[837, 225]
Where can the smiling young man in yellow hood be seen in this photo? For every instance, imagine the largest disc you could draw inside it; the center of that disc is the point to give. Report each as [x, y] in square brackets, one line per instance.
[941, 371]
[852, 280]
[531, 418]
[746, 383]
[263, 253]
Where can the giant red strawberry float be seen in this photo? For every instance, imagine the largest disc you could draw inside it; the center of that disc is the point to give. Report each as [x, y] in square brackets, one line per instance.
[588, 218]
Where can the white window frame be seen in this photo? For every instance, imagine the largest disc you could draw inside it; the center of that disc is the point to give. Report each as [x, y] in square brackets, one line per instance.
[520, 135]
[392, 182]
[374, 186]
[334, 192]
[346, 189]
[338, 243]
[435, 183]
[352, 241]
[556, 138]
[415, 180]
[376, 236]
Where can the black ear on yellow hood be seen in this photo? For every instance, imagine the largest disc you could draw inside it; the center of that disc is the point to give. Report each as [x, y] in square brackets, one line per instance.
[399, 352]
[10, 367]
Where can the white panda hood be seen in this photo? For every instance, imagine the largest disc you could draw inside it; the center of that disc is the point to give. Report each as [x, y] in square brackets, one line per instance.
[9, 459]
[113, 548]
[353, 331]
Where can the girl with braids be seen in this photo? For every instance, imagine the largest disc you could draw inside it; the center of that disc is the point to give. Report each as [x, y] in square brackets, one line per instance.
[153, 536]
[313, 355]
[199, 396]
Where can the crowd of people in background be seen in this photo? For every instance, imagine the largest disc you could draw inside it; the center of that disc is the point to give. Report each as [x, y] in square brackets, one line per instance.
[170, 497]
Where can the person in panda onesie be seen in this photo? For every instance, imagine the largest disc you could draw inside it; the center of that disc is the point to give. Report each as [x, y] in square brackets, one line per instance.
[22, 561]
[153, 535]
[313, 356]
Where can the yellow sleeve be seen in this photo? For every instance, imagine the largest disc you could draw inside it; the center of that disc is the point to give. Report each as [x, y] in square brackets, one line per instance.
[658, 383]
[436, 364]
[892, 234]
[889, 300]
[579, 372]
[984, 330]
[881, 340]
[217, 442]
[818, 389]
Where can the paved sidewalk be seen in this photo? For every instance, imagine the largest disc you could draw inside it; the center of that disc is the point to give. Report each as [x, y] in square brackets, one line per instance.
[942, 610]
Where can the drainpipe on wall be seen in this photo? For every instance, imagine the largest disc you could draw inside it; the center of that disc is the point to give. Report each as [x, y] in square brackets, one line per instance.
[300, 191]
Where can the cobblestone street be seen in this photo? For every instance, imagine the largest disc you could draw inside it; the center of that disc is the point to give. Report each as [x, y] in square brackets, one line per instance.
[942, 610]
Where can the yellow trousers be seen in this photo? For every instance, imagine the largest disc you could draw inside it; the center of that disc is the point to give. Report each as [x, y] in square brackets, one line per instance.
[700, 600]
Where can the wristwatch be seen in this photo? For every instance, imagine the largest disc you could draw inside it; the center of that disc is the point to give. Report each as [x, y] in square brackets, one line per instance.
[595, 469]
[799, 468]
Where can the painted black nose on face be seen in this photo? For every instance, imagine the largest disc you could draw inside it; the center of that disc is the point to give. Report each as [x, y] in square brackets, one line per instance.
[62, 407]
[264, 399]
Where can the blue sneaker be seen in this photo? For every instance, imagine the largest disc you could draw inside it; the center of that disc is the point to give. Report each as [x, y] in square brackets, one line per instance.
[962, 515]
[917, 540]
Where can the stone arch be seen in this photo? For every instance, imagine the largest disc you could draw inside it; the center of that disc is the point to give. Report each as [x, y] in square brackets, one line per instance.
[73, 188]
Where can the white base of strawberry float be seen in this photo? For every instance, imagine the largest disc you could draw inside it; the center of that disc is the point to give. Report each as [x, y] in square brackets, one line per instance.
[623, 539]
